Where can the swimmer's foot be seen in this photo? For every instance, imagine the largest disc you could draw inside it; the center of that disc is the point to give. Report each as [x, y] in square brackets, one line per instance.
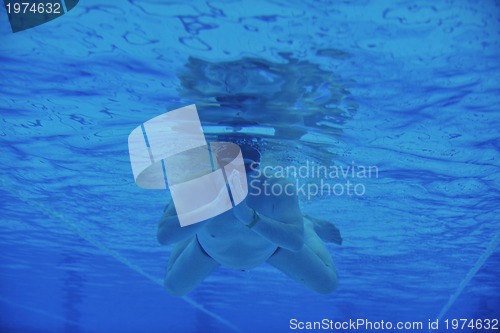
[326, 230]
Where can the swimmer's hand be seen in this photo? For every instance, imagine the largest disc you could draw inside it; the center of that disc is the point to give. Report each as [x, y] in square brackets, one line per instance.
[326, 230]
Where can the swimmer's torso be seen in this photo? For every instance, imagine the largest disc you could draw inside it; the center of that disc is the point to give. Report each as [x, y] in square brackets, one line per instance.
[232, 244]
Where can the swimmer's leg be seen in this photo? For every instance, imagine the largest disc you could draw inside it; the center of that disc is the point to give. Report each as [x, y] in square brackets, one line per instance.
[176, 252]
[312, 265]
[187, 267]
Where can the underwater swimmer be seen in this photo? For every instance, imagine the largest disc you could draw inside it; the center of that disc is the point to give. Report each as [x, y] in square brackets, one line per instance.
[260, 229]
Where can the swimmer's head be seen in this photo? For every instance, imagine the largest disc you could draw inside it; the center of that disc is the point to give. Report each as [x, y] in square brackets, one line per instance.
[249, 149]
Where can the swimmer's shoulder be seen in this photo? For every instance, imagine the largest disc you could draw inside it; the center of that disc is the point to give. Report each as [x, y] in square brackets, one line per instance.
[276, 198]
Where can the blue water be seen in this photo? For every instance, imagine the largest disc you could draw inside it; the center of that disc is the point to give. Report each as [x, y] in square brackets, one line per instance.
[410, 88]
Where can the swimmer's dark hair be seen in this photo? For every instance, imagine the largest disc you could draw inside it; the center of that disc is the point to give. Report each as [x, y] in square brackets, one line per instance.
[249, 149]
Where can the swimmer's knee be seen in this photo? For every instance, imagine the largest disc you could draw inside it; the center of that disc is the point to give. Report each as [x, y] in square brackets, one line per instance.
[328, 284]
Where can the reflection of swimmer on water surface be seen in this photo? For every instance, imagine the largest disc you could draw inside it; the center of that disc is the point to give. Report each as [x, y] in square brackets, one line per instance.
[292, 96]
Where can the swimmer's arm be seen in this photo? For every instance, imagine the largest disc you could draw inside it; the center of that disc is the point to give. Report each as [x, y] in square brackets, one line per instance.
[285, 228]
[170, 230]
[288, 235]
